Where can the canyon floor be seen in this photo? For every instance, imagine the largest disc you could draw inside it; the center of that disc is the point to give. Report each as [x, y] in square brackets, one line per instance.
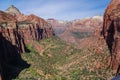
[60, 61]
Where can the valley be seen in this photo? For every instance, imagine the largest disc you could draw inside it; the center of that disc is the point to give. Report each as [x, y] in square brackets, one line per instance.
[60, 61]
[34, 48]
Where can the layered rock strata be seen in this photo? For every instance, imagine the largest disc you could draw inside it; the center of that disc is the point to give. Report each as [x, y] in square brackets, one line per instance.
[15, 33]
[111, 32]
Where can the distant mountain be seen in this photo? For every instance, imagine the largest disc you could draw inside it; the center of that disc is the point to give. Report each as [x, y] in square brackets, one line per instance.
[59, 26]
[87, 24]
[74, 31]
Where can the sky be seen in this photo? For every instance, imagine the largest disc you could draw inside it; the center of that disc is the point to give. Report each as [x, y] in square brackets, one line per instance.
[58, 9]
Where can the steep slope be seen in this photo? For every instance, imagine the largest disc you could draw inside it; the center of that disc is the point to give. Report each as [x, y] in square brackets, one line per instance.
[33, 27]
[11, 44]
[14, 35]
[6, 17]
[111, 30]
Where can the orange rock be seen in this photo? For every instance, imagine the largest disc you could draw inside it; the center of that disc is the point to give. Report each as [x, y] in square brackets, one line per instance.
[15, 33]
[111, 31]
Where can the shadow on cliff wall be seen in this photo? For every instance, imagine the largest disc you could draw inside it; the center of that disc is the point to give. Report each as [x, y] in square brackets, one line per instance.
[40, 32]
[110, 37]
[10, 60]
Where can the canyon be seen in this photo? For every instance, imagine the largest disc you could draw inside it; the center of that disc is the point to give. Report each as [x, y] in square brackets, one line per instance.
[74, 32]
[17, 30]
[32, 48]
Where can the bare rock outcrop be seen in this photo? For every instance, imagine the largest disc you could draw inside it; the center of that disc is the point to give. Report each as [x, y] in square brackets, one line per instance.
[13, 10]
[15, 32]
[111, 32]
[33, 28]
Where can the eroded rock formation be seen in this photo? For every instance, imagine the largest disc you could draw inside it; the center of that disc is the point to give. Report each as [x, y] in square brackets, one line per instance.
[33, 28]
[13, 10]
[111, 32]
[15, 32]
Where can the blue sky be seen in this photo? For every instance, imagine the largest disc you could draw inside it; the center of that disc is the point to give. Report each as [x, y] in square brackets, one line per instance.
[58, 9]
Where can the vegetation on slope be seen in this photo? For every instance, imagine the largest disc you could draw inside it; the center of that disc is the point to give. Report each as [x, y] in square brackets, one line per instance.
[81, 35]
[60, 61]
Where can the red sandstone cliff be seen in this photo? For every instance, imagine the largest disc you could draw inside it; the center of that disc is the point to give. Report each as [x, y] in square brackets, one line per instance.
[33, 28]
[111, 32]
[15, 32]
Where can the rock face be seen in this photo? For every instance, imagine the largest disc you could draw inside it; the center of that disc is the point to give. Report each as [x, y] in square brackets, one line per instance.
[33, 28]
[13, 10]
[111, 32]
[17, 31]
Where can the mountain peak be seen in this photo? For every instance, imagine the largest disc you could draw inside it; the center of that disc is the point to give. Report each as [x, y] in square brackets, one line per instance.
[13, 10]
[12, 6]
